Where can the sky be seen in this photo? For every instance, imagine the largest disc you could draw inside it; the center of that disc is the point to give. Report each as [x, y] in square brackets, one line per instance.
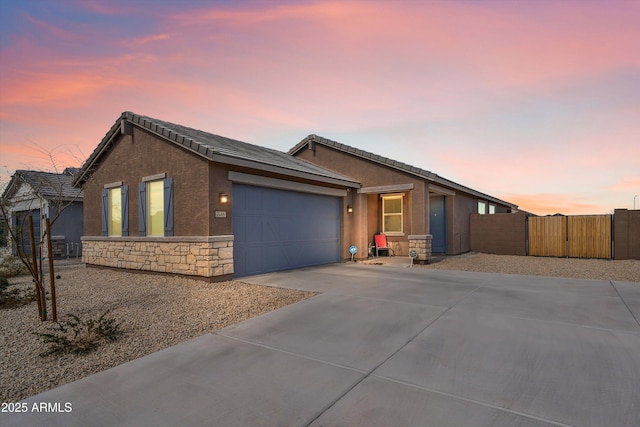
[534, 102]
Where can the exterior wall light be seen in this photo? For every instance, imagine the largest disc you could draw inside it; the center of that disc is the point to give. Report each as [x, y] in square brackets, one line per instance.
[349, 209]
[224, 198]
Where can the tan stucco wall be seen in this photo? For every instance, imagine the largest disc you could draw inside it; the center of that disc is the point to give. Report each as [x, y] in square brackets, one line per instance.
[416, 201]
[369, 174]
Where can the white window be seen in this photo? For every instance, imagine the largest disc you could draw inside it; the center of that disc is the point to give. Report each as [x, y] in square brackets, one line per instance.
[392, 214]
[482, 207]
[492, 209]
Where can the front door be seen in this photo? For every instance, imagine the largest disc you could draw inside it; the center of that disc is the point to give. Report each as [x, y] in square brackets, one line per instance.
[438, 224]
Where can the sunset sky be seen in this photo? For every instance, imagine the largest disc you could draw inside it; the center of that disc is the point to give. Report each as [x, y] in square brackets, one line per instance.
[534, 102]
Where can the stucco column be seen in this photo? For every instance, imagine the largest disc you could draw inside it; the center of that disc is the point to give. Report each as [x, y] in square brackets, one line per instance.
[359, 234]
[427, 225]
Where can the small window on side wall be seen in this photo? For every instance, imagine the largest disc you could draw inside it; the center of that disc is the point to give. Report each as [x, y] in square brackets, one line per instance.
[492, 209]
[392, 217]
[482, 207]
[115, 210]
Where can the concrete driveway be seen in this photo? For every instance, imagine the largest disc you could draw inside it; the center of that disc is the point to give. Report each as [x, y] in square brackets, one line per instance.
[387, 346]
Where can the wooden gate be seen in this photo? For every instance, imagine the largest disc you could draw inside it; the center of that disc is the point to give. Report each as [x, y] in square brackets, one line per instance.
[576, 236]
[547, 236]
[589, 236]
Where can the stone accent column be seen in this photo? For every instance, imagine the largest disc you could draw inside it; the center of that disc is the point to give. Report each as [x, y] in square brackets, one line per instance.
[207, 256]
[421, 243]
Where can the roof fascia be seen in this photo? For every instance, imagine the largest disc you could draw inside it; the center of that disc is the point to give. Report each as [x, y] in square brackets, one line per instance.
[432, 177]
[16, 181]
[87, 168]
[282, 171]
[210, 154]
[120, 127]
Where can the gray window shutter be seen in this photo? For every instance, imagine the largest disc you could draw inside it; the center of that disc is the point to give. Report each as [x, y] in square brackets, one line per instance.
[124, 192]
[142, 209]
[105, 212]
[168, 206]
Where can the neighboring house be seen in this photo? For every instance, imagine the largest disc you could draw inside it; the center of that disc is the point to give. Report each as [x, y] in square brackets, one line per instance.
[167, 198]
[43, 195]
[3, 231]
[408, 204]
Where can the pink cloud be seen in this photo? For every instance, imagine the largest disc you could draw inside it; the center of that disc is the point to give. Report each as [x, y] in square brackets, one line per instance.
[356, 67]
[549, 204]
[142, 41]
[626, 184]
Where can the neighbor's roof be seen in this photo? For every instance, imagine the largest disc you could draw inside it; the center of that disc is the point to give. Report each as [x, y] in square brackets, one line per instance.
[403, 167]
[48, 185]
[216, 148]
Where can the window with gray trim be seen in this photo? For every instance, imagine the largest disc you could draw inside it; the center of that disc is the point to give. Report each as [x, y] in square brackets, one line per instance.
[115, 210]
[155, 207]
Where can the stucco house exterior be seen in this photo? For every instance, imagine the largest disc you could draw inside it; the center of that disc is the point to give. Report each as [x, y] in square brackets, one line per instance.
[46, 195]
[167, 198]
[412, 206]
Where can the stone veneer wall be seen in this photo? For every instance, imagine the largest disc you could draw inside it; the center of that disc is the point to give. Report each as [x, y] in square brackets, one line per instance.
[207, 256]
[422, 245]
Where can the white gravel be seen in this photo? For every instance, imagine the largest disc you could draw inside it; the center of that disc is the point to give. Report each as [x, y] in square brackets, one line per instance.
[156, 312]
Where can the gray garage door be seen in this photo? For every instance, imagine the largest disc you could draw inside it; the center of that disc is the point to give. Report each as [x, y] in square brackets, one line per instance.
[280, 230]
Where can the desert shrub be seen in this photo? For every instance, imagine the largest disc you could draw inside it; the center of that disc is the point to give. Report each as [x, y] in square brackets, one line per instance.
[76, 336]
[10, 266]
[11, 298]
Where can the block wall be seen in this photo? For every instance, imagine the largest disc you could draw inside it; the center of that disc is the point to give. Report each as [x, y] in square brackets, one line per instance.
[501, 234]
[626, 235]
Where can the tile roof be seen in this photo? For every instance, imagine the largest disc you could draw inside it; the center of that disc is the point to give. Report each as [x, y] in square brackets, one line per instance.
[47, 184]
[413, 170]
[216, 148]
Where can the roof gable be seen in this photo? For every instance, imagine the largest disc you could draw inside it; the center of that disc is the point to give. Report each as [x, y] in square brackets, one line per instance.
[48, 185]
[215, 148]
[384, 161]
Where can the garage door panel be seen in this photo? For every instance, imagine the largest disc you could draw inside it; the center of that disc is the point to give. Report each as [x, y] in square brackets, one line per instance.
[278, 230]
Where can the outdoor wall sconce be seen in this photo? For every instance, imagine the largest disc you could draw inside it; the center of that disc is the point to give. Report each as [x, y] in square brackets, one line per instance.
[224, 198]
[349, 209]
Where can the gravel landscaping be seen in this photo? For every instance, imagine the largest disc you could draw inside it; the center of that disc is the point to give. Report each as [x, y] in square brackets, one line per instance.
[160, 311]
[599, 269]
[155, 311]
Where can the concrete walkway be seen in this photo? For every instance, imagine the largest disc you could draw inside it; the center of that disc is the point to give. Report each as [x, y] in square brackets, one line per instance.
[387, 346]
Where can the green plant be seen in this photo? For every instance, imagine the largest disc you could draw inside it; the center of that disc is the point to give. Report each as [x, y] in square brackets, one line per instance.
[10, 266]
[14, 297]
[79, 337]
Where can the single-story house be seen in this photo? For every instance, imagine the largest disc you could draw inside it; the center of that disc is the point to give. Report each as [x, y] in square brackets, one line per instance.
[167, 198]
[45, 195]
[413, 207]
